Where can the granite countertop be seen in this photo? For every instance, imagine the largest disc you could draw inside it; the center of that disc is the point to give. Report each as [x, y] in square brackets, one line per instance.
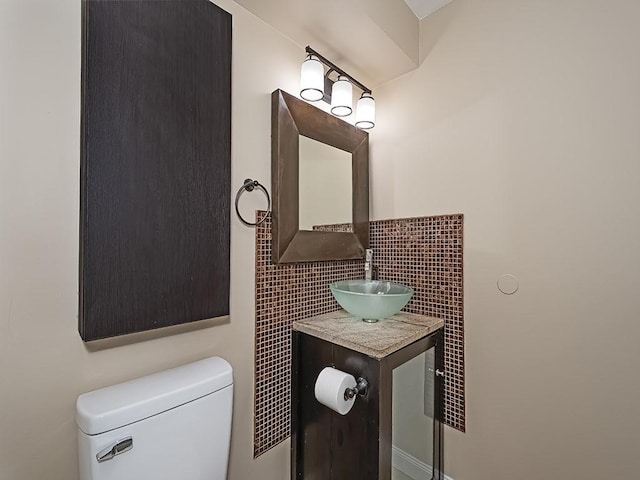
[376, 340]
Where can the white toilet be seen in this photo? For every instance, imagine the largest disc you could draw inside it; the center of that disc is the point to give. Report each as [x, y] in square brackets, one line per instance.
[172, 425]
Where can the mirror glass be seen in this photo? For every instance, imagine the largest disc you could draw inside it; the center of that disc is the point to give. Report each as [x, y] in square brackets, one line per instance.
[325, 182]
[413, 418]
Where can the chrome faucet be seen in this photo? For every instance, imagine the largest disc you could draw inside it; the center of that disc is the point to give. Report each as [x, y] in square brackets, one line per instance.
[368, 260]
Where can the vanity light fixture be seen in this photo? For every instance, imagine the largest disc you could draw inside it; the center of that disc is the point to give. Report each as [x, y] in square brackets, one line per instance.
[366, 111]
[341, 97]
[312, 79]
[316, 85]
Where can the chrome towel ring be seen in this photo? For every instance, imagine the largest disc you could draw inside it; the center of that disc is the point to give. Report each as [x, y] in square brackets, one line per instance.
[250, 185]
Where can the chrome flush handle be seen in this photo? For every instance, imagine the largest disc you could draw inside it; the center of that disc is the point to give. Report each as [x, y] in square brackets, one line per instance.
[121, 446]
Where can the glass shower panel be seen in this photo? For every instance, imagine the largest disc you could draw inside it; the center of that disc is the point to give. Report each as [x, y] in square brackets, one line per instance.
[413, 418]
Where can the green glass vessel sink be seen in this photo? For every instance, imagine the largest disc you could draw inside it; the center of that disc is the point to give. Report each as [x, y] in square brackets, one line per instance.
[371, 300]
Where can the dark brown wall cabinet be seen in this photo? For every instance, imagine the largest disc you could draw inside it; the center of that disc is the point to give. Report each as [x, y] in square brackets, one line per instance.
[155, 165]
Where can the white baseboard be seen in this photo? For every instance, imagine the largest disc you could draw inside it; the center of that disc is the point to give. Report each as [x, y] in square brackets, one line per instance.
[411, 466]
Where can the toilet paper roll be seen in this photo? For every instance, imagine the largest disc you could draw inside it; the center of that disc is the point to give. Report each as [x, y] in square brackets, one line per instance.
[330, 387]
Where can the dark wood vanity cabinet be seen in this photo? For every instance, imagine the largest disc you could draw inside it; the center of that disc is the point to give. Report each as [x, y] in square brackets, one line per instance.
[329, 446]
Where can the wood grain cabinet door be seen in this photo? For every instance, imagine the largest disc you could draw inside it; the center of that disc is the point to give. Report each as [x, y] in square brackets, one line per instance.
[155, 165]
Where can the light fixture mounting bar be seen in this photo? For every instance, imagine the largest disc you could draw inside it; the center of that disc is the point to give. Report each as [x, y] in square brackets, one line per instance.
[337, 69]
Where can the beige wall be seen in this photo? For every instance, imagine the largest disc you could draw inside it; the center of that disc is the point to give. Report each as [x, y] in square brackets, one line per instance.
[43, 363]
[524, 115]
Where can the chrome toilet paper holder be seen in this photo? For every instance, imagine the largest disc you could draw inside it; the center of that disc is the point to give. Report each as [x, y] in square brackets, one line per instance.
[361, 388]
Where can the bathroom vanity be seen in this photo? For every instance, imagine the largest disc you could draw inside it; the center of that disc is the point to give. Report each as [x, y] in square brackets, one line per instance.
[395, 430]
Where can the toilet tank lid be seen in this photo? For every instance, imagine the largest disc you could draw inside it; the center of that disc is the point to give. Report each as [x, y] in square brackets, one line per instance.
[118, 405]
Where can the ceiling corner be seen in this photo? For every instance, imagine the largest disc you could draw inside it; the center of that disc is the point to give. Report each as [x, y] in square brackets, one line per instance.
[373, 40]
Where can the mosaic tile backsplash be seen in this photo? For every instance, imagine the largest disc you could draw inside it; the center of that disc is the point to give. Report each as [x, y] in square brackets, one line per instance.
[423, 252]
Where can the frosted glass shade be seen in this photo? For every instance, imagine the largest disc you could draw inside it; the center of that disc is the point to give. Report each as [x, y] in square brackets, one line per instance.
[341, 97]
[366, 112]
[312, 79]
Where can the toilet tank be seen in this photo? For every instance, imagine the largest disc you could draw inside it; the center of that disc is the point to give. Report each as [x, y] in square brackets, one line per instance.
[170, 425]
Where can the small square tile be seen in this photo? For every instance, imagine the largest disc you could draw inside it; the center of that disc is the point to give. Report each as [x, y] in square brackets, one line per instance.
[424, 252]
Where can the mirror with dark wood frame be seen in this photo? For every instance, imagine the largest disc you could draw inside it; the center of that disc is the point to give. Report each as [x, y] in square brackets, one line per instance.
[290, 119]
